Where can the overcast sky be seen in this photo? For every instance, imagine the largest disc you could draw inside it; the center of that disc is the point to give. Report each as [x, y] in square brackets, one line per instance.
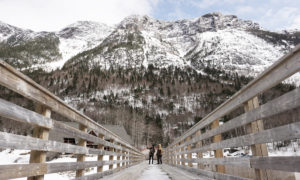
[53, 15]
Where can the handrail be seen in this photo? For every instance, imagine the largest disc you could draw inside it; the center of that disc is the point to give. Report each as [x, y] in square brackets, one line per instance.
[179, 152]
[7, 71]
[43, 123]
[286, 66]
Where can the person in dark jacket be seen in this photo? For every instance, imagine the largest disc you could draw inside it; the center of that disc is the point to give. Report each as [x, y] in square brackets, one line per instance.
[159, 154]
[151, 153]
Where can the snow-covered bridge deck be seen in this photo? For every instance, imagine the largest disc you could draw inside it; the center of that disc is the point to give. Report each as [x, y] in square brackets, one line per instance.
[145, 171]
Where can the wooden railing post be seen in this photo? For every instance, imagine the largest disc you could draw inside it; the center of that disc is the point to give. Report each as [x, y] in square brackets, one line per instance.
[199, 154]
[178, 156]
[123, 157]
[81, 157]
[219, 152]
[119, 157]
[182, 155]
[111, 157]
[100, 157]
[189, 155]
[257, 149]
[42, 133]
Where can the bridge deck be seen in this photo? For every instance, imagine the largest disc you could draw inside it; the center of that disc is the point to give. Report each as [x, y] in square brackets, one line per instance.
[144, 171]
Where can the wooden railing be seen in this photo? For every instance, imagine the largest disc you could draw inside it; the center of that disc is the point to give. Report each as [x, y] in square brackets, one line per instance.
[179, 153]
[41, 120]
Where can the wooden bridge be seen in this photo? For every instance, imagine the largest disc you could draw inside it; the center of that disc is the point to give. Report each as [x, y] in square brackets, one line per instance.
[206, 135]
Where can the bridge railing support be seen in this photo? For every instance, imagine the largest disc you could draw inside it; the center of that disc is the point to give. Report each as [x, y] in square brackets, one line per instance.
[230, 134]
[43, 123]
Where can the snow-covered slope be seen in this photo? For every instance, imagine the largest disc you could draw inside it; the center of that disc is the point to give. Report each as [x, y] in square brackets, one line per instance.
[216, 40]
[79, 37]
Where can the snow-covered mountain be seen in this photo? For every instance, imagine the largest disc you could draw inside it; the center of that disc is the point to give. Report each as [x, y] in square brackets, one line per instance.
[215, 40]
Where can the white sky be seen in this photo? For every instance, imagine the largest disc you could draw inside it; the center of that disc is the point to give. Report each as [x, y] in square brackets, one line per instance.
[53, 15]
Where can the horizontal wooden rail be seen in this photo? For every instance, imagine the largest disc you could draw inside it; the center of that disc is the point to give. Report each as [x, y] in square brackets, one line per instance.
[281, 104]
[209, 174]
[282, 133]
[282, 69]
[43, 124]
[281, 163]
[18, 82]
[34, 169]
[15, 112]
[250, 124]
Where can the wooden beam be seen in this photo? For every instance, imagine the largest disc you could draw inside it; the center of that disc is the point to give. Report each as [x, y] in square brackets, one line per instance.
[81, 157]
[218, 152]
[212, 175]
[288, 101]
[21, 84]
[199, 154]
[111, 158]
[257, 149]
[189, 155]
[41, 133]
[24, 170]
[183, 154]
[281, 133]
[286, 66]
[100, 157]
[118, 158]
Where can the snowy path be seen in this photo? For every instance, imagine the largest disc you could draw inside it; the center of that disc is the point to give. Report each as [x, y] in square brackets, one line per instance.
[154, 172]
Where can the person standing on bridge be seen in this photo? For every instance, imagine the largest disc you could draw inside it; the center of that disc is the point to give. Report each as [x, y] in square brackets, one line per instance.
[159, 154]
[151, 153]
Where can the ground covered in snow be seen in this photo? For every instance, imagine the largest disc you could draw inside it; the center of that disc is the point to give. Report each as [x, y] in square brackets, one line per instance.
[154, 171]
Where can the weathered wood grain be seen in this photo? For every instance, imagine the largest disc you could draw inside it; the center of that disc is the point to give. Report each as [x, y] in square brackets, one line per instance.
[25, 86]
[17, 113]
[42, 133]
[286, 132]
[281, 104]
[35, 169]
[213, 175]
[218, 152]
[281, 163]
[13, 141]
[280, 70]
[235, 161]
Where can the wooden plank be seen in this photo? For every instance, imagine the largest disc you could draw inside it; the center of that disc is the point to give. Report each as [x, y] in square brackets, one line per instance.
[73, 132]
[183, 154]
[41, 133]
[81, 157]
[189, 155]
[235, 161]
[257, 149]
[18, 113]
[280, 70]
[111, 158]
[97, 175]
[281, 163]
[35, 169]
[25, 86]
[218, 152]
[213, 175]
[281, 104]
[282, 133]
[118, 158]
[14, 141]
[199, 154]
[15, 112]
[100, 157]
